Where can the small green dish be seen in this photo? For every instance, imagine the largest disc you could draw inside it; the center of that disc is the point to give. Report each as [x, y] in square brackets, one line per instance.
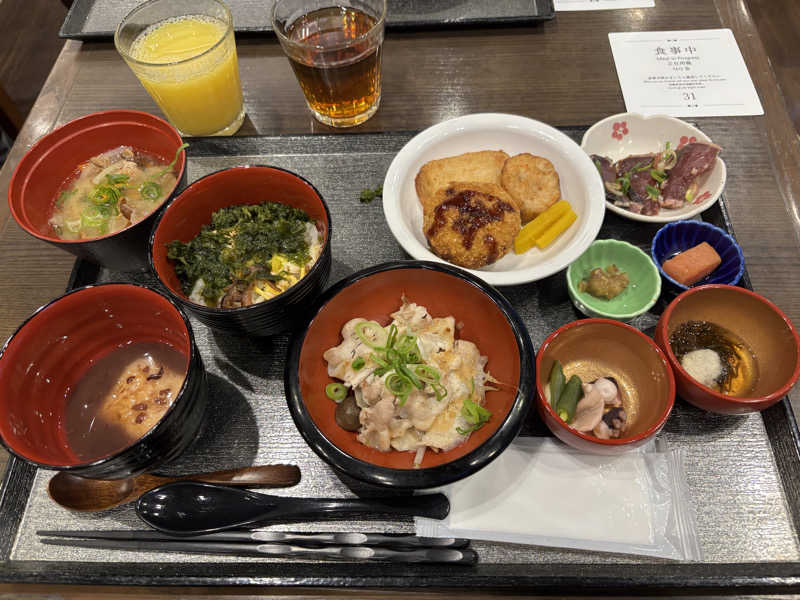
[643, 289]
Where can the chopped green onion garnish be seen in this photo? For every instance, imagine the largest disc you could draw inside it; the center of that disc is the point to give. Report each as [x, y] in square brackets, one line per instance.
[358, 363]
[406, 372]
[379, 361]
[336, 391]
[474, 414]
[392, 336]
[168, 168]
[659, 176]
[399, 385]
[427, 373]
[117, 178]
[104, 194]
[624, 183]
[652, 192]
[371, 333]
[150, 190]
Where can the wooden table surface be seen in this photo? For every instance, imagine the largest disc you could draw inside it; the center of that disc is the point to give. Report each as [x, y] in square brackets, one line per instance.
[560, 72]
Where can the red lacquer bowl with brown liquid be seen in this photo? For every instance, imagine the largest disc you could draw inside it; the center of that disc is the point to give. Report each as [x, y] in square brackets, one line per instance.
[766, 332]
[105, 382]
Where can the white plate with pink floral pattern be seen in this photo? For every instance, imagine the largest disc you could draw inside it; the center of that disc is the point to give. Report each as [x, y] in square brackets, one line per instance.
[627, 134]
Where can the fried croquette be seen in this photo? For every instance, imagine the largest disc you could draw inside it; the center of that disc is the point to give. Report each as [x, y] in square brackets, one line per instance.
[484, 167]
[471, 224]
[532, 182]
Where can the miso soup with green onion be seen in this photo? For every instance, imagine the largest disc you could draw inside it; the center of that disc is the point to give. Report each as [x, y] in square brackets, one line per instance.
[110, 192]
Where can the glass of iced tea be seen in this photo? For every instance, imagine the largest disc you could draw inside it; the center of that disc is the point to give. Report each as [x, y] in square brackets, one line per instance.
[334, 47]
[184, 54]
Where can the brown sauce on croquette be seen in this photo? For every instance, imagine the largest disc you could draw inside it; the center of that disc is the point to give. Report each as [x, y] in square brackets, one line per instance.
[473, 215]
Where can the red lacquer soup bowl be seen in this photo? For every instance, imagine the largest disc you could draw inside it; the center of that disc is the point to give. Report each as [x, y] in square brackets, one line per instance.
[52, 160]
[482, 315]
[56, 346]
[608, 348]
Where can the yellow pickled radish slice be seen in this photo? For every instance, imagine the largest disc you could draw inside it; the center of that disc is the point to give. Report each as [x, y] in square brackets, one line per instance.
[556, 230]
[528, 235]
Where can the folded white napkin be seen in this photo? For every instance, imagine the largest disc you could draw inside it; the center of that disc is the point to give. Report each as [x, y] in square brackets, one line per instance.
[541, 492]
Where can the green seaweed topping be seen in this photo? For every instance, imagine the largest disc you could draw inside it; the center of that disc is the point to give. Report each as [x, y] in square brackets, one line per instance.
[238, 246]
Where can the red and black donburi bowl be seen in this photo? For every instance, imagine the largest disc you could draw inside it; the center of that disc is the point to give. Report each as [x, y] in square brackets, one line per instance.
[53, 160]
[54, 348]
[185, 216]
[484, 317]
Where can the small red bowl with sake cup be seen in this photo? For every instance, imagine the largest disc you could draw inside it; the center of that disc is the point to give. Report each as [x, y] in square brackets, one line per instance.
[53, 160]
[51, 355]
[593, 348]
[767, 332]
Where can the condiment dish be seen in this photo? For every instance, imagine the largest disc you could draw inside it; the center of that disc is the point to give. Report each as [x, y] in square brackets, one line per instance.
[52, 351]
[641, 293]
[580, 185]
[765, 330]
[593, 348]
[482, 316]
[52, 160]
[680, 236]
[627, 134]
[185, 216]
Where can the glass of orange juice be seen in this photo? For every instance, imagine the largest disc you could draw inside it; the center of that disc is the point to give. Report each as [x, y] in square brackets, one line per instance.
[184, 54]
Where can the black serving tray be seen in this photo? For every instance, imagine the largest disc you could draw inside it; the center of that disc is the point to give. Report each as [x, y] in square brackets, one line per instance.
[743, 473]
[98, 19]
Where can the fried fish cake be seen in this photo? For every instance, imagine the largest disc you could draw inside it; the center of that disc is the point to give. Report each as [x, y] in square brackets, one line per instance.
[532, 182]
[484, 166]
[471, 224]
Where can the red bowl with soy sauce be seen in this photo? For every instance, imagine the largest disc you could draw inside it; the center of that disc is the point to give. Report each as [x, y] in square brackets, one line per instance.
[53, 162]
[185, 216]
[60, 370]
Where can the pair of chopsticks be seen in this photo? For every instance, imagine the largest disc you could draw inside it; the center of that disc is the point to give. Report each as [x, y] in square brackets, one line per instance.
[347, 546]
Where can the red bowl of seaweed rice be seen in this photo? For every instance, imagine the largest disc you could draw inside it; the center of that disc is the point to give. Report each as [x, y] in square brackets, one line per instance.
[184, 218]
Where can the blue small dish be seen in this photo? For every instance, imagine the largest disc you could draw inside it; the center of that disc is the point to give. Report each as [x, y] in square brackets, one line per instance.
[679, 236]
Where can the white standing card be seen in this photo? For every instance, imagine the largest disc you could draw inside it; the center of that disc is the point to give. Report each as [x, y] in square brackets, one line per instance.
[698, 73]
[561, 5]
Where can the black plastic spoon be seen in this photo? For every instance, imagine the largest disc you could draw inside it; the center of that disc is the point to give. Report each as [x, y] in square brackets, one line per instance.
[192, 508]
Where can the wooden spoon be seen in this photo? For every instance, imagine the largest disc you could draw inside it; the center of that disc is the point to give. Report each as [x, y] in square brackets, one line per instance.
[91, 495]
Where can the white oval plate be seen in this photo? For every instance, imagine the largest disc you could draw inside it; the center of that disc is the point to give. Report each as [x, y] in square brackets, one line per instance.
[624, 134]
[581, 186]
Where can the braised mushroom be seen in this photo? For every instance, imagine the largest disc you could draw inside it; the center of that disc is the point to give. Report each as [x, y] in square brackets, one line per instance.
[347, 414]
